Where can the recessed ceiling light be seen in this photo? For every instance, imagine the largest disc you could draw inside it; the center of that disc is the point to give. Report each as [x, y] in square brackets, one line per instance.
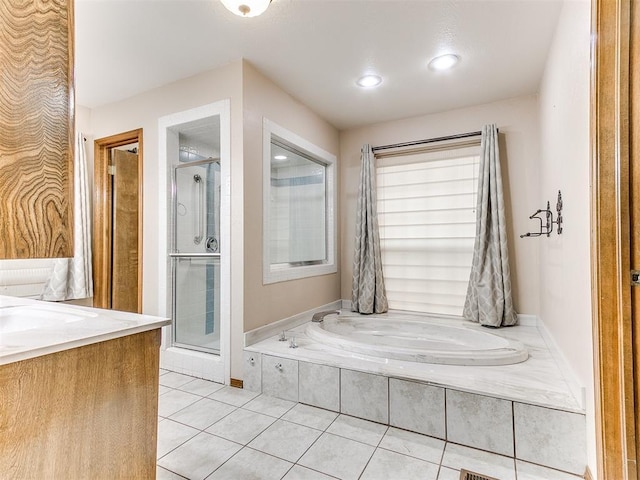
[444, 62]
[280, 157]
[369, 81]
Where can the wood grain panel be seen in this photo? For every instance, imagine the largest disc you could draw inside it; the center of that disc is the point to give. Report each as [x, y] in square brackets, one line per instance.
[611, 234]
[124, 289]
[36, 134]
[89, 412]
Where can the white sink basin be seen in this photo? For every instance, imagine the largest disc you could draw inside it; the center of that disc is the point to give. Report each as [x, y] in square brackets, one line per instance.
[28, 317]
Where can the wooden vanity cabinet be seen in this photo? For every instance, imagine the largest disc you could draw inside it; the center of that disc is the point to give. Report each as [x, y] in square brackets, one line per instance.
[36, 128]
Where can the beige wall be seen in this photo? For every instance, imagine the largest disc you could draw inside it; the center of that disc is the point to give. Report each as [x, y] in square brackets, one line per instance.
[143, 111]
[565, 288]
[264, 304]
[518, 122]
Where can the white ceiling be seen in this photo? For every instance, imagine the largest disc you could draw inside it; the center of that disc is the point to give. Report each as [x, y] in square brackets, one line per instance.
[316, 49]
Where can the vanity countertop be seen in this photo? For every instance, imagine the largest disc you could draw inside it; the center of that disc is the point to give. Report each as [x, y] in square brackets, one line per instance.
[32, 328]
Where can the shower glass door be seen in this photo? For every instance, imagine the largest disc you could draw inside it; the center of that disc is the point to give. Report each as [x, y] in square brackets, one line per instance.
[196, 255]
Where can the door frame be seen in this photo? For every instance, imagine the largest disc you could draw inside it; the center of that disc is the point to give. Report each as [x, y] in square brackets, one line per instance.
[102, 224]
[615, 160]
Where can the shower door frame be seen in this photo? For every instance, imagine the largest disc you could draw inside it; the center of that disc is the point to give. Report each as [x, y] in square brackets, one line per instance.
[175, 255]
[210, 366]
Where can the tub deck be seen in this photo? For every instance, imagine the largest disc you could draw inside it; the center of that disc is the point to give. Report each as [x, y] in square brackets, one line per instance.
[541, 380]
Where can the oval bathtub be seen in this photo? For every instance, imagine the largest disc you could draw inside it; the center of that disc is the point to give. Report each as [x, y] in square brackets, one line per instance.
[417, 339]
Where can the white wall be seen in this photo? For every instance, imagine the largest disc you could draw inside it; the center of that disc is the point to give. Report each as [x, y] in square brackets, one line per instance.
[565, 288]
[518, 122]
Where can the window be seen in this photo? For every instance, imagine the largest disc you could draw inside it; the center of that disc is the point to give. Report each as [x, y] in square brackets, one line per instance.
[299, 225]
[426, 211]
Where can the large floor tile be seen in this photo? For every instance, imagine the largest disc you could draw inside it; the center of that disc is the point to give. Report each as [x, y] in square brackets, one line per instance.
[199, 457]
[337, 456]
[233, 396]
[448, 474]
[241, 426]
[272, 406]
[175, 400]
[203, 413]
[172, 434]
[163, 474]
[250, 464]
[302, 473]
[491, 464]
[174, 379]
[201, 387]
[309, 416]
[386, 464]
[357, 429]
[413, 444]
[285, 440]
[528, 471]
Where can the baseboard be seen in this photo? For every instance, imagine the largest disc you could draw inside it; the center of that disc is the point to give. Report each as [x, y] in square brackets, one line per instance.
[587, 474]
[234, 382]
[262, 333]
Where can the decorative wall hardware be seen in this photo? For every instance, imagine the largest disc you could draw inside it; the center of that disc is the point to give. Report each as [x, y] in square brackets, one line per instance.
[546, 225]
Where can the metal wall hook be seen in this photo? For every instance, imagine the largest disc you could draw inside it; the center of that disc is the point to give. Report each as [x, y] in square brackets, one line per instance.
[546, 226]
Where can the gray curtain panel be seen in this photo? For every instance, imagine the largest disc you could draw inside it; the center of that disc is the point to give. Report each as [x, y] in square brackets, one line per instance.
[488, 298]
[368, 292]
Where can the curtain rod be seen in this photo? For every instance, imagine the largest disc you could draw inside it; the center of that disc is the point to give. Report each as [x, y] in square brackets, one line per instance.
[428, 140]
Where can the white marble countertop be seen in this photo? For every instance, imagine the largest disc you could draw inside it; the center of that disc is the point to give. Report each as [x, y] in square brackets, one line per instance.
[32, 328]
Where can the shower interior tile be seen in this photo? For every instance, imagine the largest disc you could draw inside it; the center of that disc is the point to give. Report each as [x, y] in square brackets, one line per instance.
[280, 377]
[252, 371]
[319, 385]
[417, 407]
[480, 421]
[552, 438]
[364, 395]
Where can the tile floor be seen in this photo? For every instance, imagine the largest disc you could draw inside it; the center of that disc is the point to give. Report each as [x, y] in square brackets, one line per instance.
[209, 431]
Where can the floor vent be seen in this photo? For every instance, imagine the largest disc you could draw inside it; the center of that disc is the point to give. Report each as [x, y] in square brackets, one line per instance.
[466, 475]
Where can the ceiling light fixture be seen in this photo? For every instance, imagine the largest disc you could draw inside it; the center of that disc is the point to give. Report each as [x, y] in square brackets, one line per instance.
[246, 8]
[369, 81]
[444, 62]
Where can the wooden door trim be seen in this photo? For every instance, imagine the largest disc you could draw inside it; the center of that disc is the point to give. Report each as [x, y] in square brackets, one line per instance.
[615, 401]
[102, 215]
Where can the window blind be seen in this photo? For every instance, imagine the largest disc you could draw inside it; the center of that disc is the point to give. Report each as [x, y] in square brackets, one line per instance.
[426, 212]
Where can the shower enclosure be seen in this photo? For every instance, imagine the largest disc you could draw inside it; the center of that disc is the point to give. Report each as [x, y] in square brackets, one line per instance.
[195, 253]
[194, 238]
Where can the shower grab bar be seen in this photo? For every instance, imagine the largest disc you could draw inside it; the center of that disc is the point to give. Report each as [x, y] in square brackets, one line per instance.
[201, 207]
[195, 255]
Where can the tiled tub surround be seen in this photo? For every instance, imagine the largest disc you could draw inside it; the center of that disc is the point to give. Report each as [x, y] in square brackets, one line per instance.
[525, 411]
